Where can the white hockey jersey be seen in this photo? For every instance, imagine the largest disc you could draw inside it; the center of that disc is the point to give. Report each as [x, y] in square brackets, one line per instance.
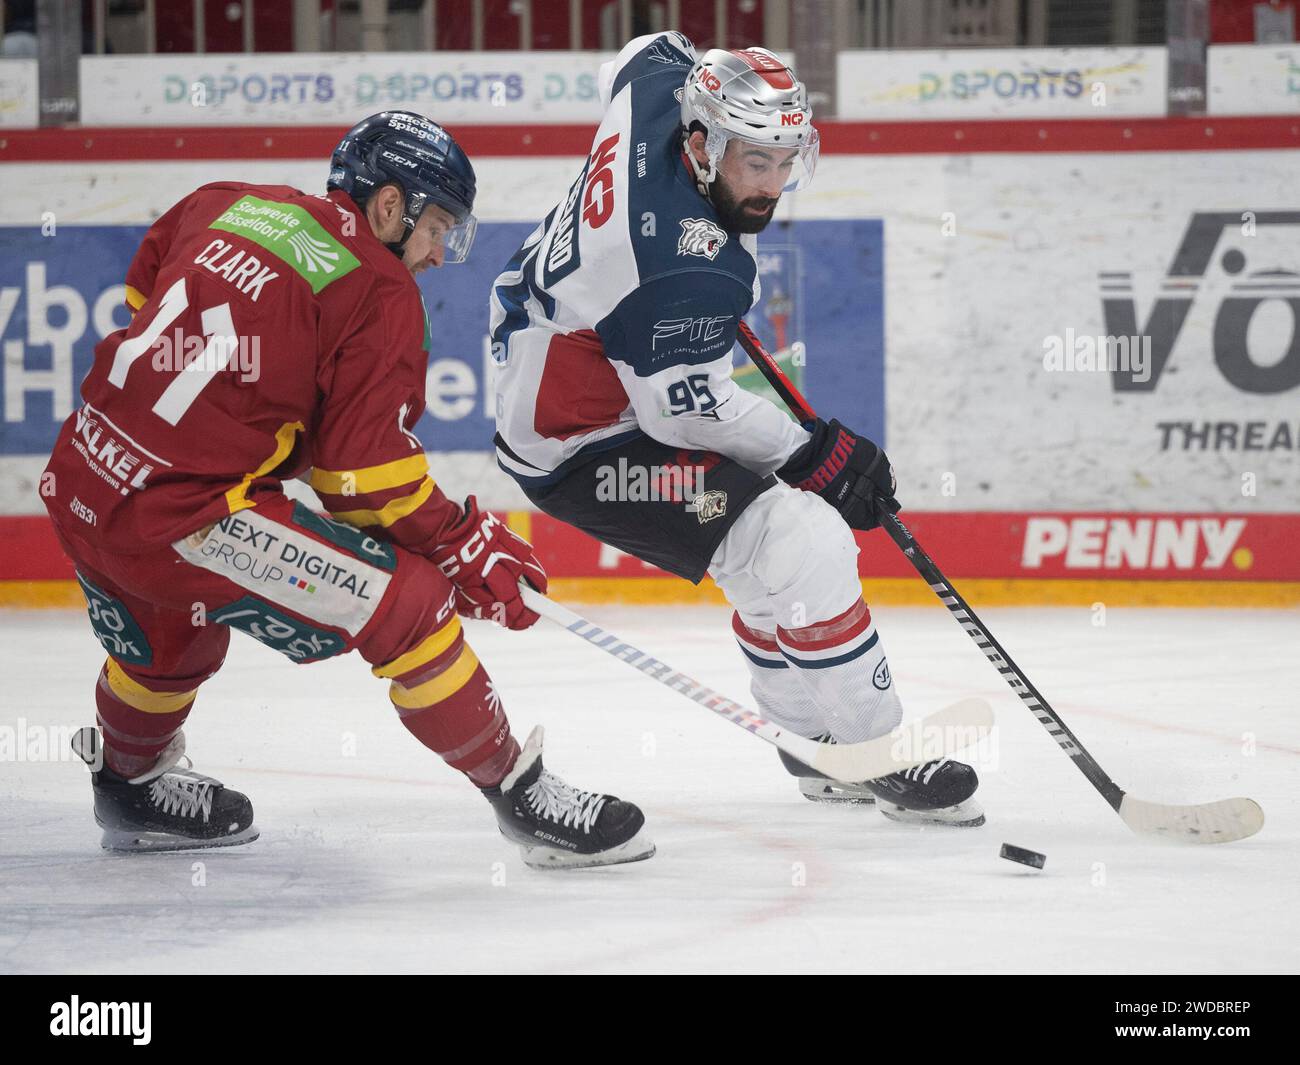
[619, 313]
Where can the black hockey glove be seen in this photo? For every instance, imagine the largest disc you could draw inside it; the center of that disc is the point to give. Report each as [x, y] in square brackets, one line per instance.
[848, 471]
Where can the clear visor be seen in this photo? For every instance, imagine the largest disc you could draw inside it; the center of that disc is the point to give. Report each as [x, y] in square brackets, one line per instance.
[457, 241]
[756, 169]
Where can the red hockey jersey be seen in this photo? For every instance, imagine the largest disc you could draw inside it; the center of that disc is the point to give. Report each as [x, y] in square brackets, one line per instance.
[272, 333]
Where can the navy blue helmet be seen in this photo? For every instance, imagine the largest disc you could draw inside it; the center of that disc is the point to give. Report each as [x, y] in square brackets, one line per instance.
[420, 157]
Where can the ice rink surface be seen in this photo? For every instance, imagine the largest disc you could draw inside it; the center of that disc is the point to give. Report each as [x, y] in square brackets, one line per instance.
[375, 857]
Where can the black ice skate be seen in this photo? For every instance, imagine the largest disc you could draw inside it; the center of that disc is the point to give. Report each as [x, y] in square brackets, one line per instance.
[165, 809]
[559, 827]
[818, 787]
[933, 793]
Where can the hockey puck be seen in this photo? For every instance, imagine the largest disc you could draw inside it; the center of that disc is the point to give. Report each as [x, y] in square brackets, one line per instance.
[1024, 857]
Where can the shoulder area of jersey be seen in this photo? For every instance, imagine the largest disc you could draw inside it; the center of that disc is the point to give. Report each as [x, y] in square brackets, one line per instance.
[324, 238]
[658, 214]
[648, 54]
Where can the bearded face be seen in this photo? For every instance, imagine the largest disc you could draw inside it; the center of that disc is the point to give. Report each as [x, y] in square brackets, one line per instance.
[748, 183]
[741, 210]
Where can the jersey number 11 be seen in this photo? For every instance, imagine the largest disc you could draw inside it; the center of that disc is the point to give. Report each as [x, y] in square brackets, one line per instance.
[177, 397]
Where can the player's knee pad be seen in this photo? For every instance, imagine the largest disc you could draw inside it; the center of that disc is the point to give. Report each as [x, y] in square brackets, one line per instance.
[418, 643]
[418, 602]
[796, 547]
[432, 669]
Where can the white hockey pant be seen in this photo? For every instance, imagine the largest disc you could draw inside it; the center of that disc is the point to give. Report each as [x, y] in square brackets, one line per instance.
[789, 568]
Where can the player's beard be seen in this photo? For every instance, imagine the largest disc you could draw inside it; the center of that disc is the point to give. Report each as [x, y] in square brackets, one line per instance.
[749, 215]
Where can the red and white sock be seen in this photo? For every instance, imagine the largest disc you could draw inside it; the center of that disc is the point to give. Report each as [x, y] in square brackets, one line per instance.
[842, 666]
[781, 696]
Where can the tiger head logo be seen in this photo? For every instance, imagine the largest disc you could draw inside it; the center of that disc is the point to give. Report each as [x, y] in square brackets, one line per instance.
[709, 505]
[701, 237]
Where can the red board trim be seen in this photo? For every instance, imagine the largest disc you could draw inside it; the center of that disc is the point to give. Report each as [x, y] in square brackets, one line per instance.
[1036, 544]
[29, 550]
[163, 144]
[1179, 547]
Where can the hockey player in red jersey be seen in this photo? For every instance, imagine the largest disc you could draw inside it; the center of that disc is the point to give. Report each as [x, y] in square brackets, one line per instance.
[276, 332]
[613, 327]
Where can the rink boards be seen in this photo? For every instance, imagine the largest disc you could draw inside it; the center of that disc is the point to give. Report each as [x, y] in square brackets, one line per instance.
[949, 304]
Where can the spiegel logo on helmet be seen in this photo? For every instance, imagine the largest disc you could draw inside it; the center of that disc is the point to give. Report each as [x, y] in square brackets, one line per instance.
[423, 160]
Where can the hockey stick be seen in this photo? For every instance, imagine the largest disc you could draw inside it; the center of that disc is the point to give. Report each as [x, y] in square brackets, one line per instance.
[960, 725]
[1211, 822]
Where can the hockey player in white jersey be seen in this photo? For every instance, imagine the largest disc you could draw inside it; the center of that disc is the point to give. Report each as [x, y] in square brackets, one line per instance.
[613, 327]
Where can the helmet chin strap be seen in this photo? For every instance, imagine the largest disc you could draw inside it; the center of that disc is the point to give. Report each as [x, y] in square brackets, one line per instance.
[398, 247]
[412, 206]
[703, 178]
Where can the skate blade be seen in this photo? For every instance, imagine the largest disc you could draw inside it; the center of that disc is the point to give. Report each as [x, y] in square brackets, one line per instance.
[637, 849]
[964, 815]
[121, 841]
[834, 793]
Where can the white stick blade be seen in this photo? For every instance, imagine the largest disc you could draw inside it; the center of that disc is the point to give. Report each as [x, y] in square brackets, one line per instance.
[1211, 822]
[963, 724]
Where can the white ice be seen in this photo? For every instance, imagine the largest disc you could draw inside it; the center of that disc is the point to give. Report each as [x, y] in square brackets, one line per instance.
[376, 857]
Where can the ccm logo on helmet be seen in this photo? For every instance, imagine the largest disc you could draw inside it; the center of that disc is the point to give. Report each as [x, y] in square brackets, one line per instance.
[598, 198]
[710, 81]
[792, 118]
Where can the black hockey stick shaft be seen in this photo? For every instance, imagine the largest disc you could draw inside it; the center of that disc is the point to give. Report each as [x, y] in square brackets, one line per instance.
[948, 595]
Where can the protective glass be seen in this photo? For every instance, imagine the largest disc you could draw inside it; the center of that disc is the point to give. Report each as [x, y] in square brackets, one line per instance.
[755, 168]
[458, 240]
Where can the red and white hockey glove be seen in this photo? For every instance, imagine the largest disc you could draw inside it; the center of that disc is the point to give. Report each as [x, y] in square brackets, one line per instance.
[485, 560]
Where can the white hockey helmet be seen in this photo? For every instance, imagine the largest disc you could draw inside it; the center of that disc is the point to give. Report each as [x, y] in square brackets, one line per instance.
[751, 95]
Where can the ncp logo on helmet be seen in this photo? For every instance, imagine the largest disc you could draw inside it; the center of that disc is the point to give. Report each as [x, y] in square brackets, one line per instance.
[748, 134]
[422, 159]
